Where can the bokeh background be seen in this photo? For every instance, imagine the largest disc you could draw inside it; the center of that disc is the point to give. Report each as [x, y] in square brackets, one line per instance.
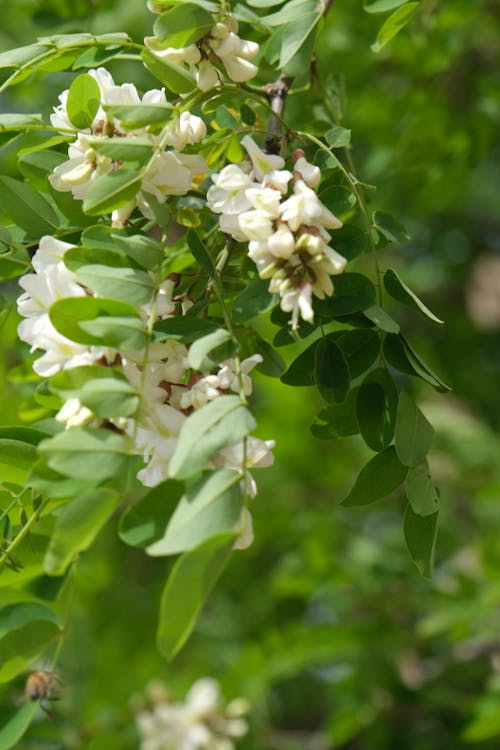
[324, 624]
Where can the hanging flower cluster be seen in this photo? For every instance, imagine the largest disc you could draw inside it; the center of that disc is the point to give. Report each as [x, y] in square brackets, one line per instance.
[279, 214]
[170, 389]
[170, 172]
[201, 722]
[220, 47]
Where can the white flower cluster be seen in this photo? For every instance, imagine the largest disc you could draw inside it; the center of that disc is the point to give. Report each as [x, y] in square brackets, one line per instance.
[221, 46]
[170, 173]
[169, 389]
[286, 229]
[199, 723]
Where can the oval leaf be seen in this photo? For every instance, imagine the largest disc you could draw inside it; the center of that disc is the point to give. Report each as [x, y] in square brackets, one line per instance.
[27, 207]
[190, 582]
[221, 422]
[11, 733]
[82, 452]
[393, 25]
[331, 372]
[145, 522]
[111, 191]
[76, 528]
[210, 507]
[376, 407]
[353, 292]
[420, 491]
[83, 102]
[413, 432]
[381, 475]
[420, 536]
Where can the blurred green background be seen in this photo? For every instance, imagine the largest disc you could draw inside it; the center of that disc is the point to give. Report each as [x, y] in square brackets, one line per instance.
[324, 623]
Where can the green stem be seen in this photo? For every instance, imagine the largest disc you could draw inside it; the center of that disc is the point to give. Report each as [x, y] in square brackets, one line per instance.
[24, 531]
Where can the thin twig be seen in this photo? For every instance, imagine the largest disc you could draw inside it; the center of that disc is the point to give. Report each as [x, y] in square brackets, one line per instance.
[276, 95]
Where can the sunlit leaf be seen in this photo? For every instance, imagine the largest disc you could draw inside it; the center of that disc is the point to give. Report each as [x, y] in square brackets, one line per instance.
[83, 451]
[221, 422]
[83, 101]
[188, 587]
[209, 507]
[111, 191]
[205, 353]
[16, 727]
[76, 528]
[394, 24]
[27, 207]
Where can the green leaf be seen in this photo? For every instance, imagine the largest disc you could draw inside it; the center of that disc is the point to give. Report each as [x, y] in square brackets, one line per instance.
[297, 32]
[404, 358]
[359, 347]
[331, 371]
[353, 292]
[76, 528]
[381, 475]
[84, 98]
[389, 227]
[145, 522]
[350, 241]
[94, 57]
[413, 433]
[381, 6]
[188, 587]
[18, 122]
[273, 364]
[184, 329]
[200, 252]
[381, 319]
[301, 370]
[16, 727]
[24, 434]
[111, 191]
[140, 115]
[206, 353]
[16, 461]
[124, 149]
[125, 284]
[27, 208]
[338, 137]
[145, 251]
[376, 407]
[104, 390]
[420, 491]
[183, 24]
[264, 3]
[339, 199]
[19, 647]
[420, 536]
[18, 614]
[402, 293]
[393, 25]
[254, 300]
[337, 421]
[222, 422]
[210, 507]
[84, 452]
[173, 76]
[121, 325]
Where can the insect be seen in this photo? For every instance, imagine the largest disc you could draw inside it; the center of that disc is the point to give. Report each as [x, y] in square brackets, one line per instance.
[40, 686]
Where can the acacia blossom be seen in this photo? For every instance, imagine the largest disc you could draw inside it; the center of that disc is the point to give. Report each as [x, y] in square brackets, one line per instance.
[170, 389]
[200, 722]
[169, 172]
[221, 47]
[279, 214]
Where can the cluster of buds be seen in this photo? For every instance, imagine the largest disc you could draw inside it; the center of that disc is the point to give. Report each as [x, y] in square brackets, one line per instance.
[279, 214]
[170, 389]
[220, 47]
[170, 171]
[201, 722]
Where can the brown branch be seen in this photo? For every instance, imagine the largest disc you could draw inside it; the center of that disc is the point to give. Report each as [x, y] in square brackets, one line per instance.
[276, 94]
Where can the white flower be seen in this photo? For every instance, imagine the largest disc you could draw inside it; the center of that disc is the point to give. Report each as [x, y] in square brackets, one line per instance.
[240, 70]
[282, 242]
[256, 225]
[187, 129]
[298, 301]
[309, 173]
[206, 76]
[227, 195]
[74, 414]
[305, 208]
[262, 163]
